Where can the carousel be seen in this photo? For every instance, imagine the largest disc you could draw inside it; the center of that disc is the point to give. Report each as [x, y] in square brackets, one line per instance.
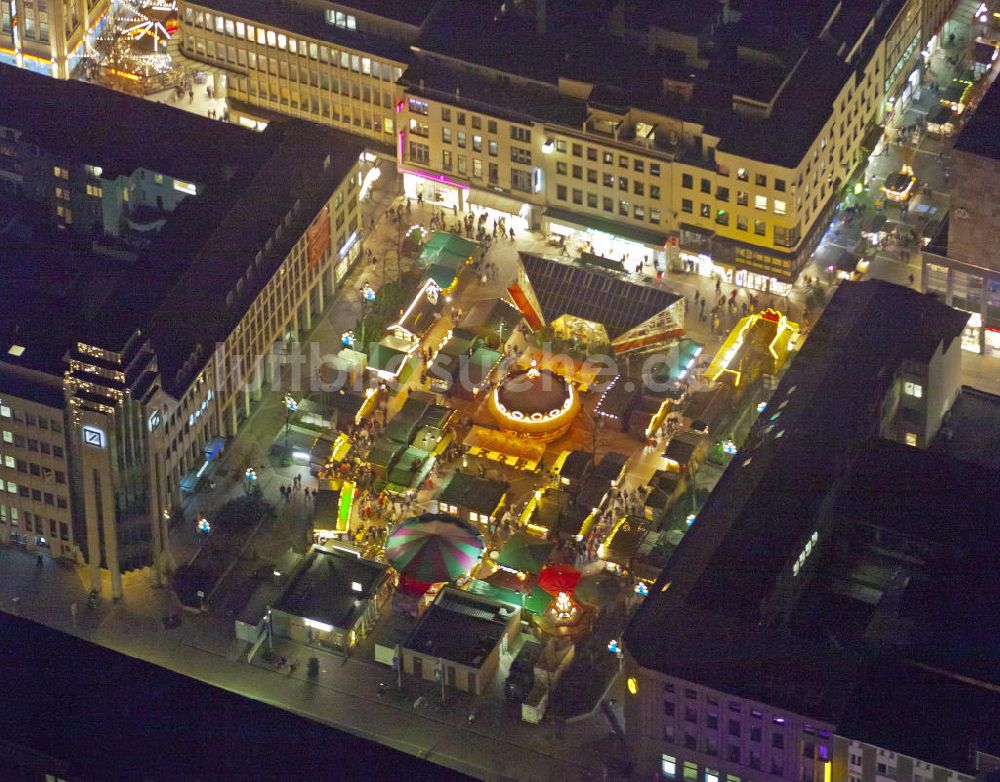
[535, 403]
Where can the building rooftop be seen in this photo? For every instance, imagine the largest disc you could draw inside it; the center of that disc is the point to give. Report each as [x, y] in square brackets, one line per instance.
[249, 184]
[979, 136]
[724, 576]
[568, 289]
[460, 628]
[311, 23]
[478, 494]
[328, 586]
[412, 12]
[195, 731]
[972, 429]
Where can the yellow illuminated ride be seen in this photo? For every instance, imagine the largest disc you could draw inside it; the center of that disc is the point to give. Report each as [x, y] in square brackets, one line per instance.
[759, 343]
[535, 403]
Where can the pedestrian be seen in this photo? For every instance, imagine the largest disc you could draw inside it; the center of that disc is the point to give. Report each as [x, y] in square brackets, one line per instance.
[191, 96]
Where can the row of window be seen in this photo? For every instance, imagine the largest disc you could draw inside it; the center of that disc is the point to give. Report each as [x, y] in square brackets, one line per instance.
[638, 165]
[37, 470]
[53, 424]
[311, 49]
[35, 27]
[625, 208]
[35, 494]
[33, 522]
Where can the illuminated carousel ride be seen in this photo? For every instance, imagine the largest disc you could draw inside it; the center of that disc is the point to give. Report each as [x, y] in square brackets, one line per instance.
[535, 403]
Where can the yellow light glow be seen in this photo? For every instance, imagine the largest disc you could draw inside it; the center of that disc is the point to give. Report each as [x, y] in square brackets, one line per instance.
[633, 685]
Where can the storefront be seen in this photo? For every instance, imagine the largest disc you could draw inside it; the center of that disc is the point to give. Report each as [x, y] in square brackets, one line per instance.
[702, 264]
[433, 189]
[638, 250]
[515, 214]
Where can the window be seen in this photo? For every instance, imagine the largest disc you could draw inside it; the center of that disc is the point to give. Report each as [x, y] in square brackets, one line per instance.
[755, 733]
[690, 771]
[420, 153]
[638, 165]
[760, 180]
[418, 107]
[592, 175]
[609, 180]
[913, 389]
[477, 145]
[577, 150]
[561, 168]
[638, 188]
[741, 174]
[561, 192]
[609, 159]
[669, 708]
[711, 775]
[491, 126]
[446, 160]
[517, 154]
[706, 186]
[491, 147]
[623, 184]
[722, 217]
[780, 207]
[654, 191]
[668, 766]
[690, 714]
[577, 172]
[779, 184]
[712, 720]
[577, 197]
[654, 215]
[520, 134]
[342, 20]
[446, 135]
[687, 205]
[760, 202]
[778, 740]
[623, 207]
[733, 753]
[734, 728]
[760, 227]
[687, 181]
[742, 198]
[445, 114]
[706, 210]
[592, 200]
[520, 180]
[722, 193]
[461, 139]
[461, 118]
[911, 439]
[654, 169]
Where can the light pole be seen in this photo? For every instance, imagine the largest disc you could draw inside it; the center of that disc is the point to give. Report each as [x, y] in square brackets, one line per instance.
[291, 406]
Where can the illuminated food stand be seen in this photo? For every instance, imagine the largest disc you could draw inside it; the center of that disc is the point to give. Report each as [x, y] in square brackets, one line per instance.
[899, 186]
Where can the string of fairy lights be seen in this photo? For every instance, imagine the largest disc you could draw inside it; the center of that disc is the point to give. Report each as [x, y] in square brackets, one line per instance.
[133, 45]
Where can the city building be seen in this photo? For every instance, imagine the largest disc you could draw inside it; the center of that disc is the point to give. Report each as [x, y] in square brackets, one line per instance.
[34, 511]
[49, 37]
[960, 263]
[332, 600]
[459, 640]
[196, 730]
[827, 616]
[714, 140]
[335, 63]
[165, 311]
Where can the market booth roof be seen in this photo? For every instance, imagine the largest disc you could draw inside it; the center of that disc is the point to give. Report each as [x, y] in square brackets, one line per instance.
[446, 249]
[525, 553]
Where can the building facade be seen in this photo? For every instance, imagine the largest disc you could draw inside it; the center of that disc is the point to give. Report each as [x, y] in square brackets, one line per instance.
[960, 264]
[34, 503]
[48, 36]
[204, 269]
[744, 190]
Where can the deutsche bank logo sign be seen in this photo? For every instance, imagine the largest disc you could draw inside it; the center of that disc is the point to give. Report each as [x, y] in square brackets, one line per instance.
[94, 437]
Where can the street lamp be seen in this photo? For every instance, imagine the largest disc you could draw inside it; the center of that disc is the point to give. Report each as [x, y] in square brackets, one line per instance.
[291, 406]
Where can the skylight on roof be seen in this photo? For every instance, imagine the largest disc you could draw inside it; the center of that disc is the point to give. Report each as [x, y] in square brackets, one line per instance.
[16, 350]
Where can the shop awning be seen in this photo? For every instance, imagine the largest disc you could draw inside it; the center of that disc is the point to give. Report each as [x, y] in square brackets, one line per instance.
[496, 202]
[589, 223]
